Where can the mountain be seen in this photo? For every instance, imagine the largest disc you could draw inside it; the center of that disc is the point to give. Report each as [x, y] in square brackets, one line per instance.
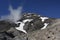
[28, 25]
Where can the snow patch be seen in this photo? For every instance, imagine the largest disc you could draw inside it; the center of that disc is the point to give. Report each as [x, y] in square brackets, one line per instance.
[45, 25]
[20, 28]
[44, 18]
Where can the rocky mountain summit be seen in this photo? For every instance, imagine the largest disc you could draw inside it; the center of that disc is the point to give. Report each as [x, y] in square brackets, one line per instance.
[30, 26]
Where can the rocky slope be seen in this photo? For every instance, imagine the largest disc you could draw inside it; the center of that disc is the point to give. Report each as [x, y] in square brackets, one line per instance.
[36, 29]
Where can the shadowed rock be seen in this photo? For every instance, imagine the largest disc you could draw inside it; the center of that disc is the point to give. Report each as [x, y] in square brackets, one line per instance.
[6, 25]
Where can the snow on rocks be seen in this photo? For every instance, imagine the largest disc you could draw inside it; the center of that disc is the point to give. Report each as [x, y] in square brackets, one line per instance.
[44, 18]
[45, 25]
[22, 25]
[35, 19]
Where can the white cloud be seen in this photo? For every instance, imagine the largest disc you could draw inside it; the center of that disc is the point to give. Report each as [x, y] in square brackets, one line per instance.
[15, 14]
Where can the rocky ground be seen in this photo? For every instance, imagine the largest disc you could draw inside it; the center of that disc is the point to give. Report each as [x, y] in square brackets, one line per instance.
[52, 32]
[34, 32]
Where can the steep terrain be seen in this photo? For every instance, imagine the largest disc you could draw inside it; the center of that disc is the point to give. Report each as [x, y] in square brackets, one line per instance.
[40, 28]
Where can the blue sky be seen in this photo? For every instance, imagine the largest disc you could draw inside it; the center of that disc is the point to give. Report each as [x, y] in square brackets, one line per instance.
[50, 8]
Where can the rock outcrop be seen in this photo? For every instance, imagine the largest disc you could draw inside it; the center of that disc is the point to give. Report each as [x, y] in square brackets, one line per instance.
[34, 30]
